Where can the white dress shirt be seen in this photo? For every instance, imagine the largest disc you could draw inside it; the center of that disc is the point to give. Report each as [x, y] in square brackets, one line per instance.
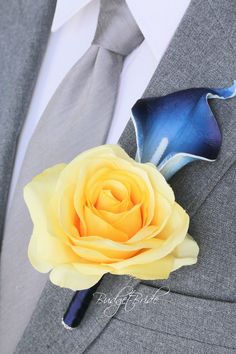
[72, 32]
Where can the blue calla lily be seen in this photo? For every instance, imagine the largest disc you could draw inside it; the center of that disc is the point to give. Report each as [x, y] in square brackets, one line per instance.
[178, 128]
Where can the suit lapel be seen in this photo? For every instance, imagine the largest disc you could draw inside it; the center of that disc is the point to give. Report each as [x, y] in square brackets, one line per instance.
[211, 64]
[24, 29]
[199, 55]
[217, 68]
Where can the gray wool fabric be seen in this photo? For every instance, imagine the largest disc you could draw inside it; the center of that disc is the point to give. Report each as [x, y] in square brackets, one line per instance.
[198, 316]
[77, 118]
[24, 31]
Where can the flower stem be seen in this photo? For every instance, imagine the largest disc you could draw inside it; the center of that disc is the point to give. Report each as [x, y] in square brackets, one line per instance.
[78, 307]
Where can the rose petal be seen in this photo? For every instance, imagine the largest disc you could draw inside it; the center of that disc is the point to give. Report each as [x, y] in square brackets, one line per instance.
[115, 249]
[96, 225]
[159, 269]
[185, 253]
[173, 233]
[93, 255]
[48, 245]
[46, 251]
[39, 192]
[145, 233]
[158, 182]
[67, 276]
[128, 222]
[67, 216]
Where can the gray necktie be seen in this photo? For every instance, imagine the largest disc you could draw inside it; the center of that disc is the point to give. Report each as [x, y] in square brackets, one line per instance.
[77, 118]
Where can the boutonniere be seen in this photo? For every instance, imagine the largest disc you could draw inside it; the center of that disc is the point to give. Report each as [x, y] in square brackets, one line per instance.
[106, 213]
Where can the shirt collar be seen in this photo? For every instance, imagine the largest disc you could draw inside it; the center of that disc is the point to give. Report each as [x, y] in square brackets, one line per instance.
[65, 10]
[157, 19]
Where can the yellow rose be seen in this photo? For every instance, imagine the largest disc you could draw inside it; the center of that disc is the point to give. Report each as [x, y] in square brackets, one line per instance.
[106, 213]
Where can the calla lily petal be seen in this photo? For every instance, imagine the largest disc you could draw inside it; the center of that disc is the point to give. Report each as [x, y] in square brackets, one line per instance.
[178, 128]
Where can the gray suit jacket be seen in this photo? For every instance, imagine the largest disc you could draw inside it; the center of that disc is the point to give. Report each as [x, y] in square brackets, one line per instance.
[199, 313]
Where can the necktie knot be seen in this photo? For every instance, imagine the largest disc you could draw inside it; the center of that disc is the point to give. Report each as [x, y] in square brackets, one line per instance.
[117, 30]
